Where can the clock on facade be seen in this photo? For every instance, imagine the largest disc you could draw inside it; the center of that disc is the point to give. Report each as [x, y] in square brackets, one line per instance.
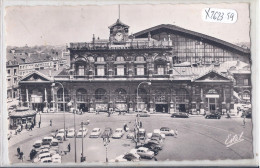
[119, 36]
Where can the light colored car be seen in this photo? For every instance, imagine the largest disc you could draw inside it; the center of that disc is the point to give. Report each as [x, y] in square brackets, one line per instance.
[155, 131]
[129, 156]
[167, 131]
[56, 158]
[41, 156]
[143, 114]
[55, 142]
[37, 144]
[95, 133]
[43, 151]
[145, 153]
[119, 133]
[47, 140]
[82, 132]
[71, 133]
[60, 136]
[46, 160]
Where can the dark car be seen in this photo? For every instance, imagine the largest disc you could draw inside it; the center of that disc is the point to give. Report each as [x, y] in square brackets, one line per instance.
[180, 115]
[107, 133]
[155, 147]
[247, 113]
[213, 115]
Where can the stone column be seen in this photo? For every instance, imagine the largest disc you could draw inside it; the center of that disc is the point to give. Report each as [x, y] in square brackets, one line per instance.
[53, 109]
[224, 108]
[202, 107]
[27, 98]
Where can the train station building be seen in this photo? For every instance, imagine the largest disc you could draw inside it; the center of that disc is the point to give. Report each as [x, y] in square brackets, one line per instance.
[174, 69]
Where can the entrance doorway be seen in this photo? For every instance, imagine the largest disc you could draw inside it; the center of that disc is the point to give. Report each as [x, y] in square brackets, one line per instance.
[163, 108]
[83, 107]
[212, 105]
[182, 108]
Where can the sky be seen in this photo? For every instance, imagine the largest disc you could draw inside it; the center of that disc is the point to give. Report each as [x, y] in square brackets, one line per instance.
[58, 25]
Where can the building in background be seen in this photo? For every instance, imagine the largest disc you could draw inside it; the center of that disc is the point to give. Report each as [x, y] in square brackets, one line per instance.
[189, 72]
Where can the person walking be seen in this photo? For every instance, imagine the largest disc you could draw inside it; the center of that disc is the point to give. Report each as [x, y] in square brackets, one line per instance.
[244, 120]
[51, 123]
[30, 129]
[141, 124]
[21, 156]
[39, 124]
[18, 151]
[69, 147]
[125, 127]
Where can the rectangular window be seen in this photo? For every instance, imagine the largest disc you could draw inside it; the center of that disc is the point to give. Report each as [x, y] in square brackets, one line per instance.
[81, 70]
[100, 59]
[120, 70]
[160, 70]
[246, 82]
[100, 70]
[8, 71]
[140, 70]
[15, 71]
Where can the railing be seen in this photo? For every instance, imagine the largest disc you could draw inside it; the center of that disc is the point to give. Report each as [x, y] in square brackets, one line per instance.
[126, 45]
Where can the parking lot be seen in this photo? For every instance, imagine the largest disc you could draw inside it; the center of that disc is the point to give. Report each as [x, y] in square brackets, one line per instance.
[197, 137]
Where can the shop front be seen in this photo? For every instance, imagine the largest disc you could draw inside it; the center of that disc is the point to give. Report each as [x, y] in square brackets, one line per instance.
[22, 116]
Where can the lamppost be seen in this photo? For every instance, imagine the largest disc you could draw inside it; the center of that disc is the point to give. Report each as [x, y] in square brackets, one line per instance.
[138, 115]
[75, 141]
[83, 159]
[106, 142]
[63, 102]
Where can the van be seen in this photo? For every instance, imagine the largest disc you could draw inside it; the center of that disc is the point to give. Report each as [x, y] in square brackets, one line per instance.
[47, 140]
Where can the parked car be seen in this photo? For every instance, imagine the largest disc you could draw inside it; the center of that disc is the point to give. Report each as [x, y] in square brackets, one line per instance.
[143, 114]
[213, 115]
[247, 113]
[56, 158]
[119, 132]
[145, 153]
[37, 144]
[71, 133]
[107, 133]
[129, 156]
[60, 136]
[167, 131]
[130, 135]
[156, 131]
[153, 146]
[141, 134]
[46, 160]
[95, 133]
[55, 142]
[43, 151]
[82, 132]
[47, 140]
[180, 115]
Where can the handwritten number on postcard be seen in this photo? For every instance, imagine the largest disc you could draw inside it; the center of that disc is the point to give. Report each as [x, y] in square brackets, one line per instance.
[219, 15]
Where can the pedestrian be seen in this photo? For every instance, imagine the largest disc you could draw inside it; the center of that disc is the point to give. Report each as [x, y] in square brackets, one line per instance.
[21, 127]
[18, 151]
[176, 133]
[69, 147]
[39, 124]
[30, 129]
[26, 126]
[125, 126]
[244, 121]
[21, 156]
[51, 123]
[141, 124]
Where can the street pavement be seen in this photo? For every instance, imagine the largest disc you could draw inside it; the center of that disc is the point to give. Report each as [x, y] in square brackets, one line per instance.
[198, 138]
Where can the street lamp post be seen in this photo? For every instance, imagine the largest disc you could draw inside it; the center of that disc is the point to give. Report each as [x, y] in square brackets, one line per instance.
[63, 102]
[138, 115]
[75, 142]
[106, 142]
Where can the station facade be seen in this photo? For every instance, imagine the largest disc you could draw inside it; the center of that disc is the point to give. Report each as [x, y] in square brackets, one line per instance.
[188, 71]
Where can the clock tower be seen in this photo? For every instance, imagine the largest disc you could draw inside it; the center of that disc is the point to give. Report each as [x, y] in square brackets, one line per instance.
[118, 33]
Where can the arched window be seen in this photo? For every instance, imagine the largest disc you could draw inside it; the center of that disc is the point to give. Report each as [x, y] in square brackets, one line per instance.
[120, 58]
[81, 95]
[60, 95]
[140, 58]
[182, 96]
[120, 95]
[142, 94]
[100, 59]
[160, 95]
[100, 94]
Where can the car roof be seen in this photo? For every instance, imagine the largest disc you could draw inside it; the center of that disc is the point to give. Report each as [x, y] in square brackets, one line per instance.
[142, 148]
[165, 128]
[119, 129]
[48, 138]
[44, 154]
[141, 129]
[38, 141]
[96, 129]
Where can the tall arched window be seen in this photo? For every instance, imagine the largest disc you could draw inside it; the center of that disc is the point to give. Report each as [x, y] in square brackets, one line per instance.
[120, 95]
[60, 95]
[182, 96]
[81, 95]
[100, 94]
[142, 94]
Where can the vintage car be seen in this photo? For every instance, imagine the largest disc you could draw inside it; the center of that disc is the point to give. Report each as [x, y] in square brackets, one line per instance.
[153, 146]
[46, 160]
[55, 142]
[119, 132]
[167, 131]
[156, 131]
[37, 144]
[82, 132]
[129, 156]
[47, 140]
[213, 116]
[41, 157]
[107, 133]
[95, 133]
[145, 153]
[143, 114]
[71, 133]
[180, 115]
[56, 158]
